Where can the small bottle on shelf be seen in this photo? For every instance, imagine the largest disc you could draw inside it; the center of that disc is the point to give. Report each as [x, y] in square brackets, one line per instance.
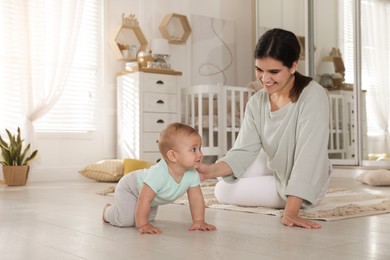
[133, 51]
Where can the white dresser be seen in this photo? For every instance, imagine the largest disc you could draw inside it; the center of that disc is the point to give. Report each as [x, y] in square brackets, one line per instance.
[146, 103]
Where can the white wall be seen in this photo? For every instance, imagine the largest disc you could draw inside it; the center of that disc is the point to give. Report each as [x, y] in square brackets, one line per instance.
[61, 156]
[240, 12]
[285, 14]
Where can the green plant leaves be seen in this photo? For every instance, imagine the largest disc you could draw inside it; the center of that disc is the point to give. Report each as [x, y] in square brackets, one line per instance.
[13, 152]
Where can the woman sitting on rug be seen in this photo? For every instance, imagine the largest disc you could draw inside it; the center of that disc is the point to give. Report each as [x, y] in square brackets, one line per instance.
[289, 120]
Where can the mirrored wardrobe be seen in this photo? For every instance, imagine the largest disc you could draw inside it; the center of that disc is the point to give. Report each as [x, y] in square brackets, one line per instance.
[345, 45]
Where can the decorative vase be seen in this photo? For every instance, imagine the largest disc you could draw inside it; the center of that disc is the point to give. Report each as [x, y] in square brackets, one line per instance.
[15, 175]
[143, 57]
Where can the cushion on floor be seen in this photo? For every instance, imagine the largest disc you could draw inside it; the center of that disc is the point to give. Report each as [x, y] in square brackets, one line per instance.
[130, 165]
[110, 170]
[375, 177]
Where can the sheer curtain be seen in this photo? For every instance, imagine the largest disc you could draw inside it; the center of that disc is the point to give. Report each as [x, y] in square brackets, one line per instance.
[37, 50]
[376, 71]
[50, 51]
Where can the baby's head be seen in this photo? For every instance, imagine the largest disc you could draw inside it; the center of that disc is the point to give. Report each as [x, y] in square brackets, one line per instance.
[173, 135]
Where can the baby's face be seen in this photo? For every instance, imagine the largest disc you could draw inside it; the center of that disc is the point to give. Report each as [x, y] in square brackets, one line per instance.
[189, 150]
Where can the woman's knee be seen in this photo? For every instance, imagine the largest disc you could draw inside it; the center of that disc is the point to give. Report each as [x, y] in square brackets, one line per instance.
[220, 191]
[256, 191]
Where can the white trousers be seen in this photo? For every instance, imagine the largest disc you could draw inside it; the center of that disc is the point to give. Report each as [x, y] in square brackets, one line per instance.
[255, 188]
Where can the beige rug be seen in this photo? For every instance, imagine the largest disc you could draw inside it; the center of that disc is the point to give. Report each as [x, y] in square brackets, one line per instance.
[338, 204]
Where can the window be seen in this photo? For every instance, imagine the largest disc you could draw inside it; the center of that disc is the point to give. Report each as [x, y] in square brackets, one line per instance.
[375, 39]
[347, 38]
[49, 64]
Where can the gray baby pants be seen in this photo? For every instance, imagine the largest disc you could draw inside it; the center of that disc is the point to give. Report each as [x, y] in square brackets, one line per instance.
[122, 213]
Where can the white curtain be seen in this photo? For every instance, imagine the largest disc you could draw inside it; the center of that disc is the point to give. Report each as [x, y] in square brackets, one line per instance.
[376, 71]
[39, 46]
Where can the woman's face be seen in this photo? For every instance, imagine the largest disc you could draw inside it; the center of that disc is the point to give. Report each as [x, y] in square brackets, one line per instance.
[274, 76]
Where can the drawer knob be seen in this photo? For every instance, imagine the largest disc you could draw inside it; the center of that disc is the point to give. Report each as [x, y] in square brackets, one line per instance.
[160, 82]
[160, 101]
[160, 121]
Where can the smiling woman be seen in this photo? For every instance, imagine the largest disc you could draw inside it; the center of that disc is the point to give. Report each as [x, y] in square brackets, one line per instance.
[289, 105]
[326, 25]
[47, 83]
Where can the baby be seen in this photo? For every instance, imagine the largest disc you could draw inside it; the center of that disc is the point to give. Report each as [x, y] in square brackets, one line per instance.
[138, 194]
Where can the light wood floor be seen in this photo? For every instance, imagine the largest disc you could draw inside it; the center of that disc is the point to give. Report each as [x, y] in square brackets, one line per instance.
[62, 220]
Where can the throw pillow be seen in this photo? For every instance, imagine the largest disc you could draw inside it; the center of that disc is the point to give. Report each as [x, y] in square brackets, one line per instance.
[104, 171]
[130, 165]
[375, 177]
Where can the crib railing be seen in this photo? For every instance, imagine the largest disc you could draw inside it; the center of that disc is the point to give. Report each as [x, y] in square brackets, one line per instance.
[216, 112]
[341, 126]
[236, 99]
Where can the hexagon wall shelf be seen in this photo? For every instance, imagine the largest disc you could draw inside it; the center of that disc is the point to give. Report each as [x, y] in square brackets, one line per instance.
[175, 28]
[128, 34]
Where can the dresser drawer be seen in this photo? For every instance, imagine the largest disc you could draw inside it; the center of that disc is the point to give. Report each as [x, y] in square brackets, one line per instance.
[160, 102]
[156, 122]
[151, 142]
[159, 83]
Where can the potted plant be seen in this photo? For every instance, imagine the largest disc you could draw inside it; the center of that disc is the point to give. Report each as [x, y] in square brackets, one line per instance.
[15, 159]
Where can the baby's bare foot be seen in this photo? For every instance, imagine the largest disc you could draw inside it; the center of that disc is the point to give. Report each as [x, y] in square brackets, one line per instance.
[104, 210]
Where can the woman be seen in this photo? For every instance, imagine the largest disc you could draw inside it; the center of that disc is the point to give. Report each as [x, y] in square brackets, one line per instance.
[289, 120]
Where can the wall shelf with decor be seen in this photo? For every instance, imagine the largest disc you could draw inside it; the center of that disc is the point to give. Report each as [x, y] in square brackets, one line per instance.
[128, 39]
[175, 28]
[151, 70]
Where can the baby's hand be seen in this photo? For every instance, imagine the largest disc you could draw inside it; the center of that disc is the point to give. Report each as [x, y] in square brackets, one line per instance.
[149, 229]
[201, 225]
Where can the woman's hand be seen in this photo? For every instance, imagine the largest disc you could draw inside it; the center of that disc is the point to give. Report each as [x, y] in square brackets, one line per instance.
[213, 171]
[291, 216]
[204, 171]
[293, 220]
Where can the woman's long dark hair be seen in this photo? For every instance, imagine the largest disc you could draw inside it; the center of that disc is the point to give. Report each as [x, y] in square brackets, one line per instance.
[284, 46]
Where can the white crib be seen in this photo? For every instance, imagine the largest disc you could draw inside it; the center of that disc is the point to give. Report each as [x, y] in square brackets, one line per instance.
[216, 112]
[219, 110]
[342, 123]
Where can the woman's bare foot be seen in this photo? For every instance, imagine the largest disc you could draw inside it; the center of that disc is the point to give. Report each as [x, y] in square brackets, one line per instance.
[104, 210]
